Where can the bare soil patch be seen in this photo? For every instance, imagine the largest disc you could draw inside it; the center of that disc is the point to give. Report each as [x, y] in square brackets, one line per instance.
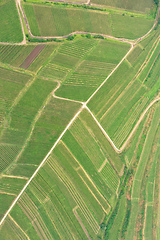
[31, 57]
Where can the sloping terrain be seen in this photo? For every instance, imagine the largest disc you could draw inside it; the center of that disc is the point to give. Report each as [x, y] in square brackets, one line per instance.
[80, 137]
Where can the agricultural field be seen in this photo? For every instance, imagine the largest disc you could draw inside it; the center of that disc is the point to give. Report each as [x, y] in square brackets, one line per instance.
[141, 6]
[66, 180]
[83, 65]
[10, 27]
[52, 21]
[26, 56]
[56, 21]
[137, 84]
[80, 125]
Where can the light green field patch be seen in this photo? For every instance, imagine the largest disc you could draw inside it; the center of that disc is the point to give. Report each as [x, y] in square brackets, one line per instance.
[137, 5]
[11, 185]
[54, 71]
[130, 27]
[5, 202]
[8, 154]
[12, 230]
[64, 60]
[10, 27]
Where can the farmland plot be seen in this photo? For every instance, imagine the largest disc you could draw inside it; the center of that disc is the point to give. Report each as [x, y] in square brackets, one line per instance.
[57, 21]
[127, 84]
[141, 6]
[139, 175]
[16, 55]
[64, 186]
[52, 21]
[22, 115]
[126, 26]
[10, 27]
[54, 118]
[92, 70]
[9, 189]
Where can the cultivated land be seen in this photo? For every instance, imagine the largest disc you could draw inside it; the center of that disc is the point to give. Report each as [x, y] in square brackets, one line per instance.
[136, 5]
[57, 21]
[10, 26]
[80, 138]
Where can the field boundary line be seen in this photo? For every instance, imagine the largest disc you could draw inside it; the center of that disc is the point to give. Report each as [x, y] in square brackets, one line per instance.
[11, 176]
[133, 130]
[93, 194]
[57, 141]
[80, 222]
[103, 165]
[132, 46]
[41, 164]
[22, 27]
[11, 194]
[86, 174]
[18, 226]
[61, 98]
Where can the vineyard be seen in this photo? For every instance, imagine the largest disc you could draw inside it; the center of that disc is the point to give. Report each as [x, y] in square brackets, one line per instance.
[79, 121]
[117, 117]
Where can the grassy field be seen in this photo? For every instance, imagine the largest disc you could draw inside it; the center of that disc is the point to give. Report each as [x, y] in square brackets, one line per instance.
[130, 27]
[142, 6]
[55, 21]
[10, 29]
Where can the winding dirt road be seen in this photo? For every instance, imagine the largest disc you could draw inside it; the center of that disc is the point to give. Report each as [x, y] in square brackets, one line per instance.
[135, 41]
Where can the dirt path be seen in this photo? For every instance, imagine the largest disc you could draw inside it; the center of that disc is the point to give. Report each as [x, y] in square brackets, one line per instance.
[61, 98]
[81, 223]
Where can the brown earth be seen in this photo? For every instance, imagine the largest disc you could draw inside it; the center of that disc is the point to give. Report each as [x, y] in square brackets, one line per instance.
[31, 57]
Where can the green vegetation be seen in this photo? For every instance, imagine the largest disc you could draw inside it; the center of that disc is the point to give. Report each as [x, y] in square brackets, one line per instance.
[142, 6]
[5, 201]
[16, 55]
[130, 27]
[67, 184]
[10, 27]
[130, 83]
[86, 187]
[59, 21]
[52, 21]
[54, 118]
[96, 60]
